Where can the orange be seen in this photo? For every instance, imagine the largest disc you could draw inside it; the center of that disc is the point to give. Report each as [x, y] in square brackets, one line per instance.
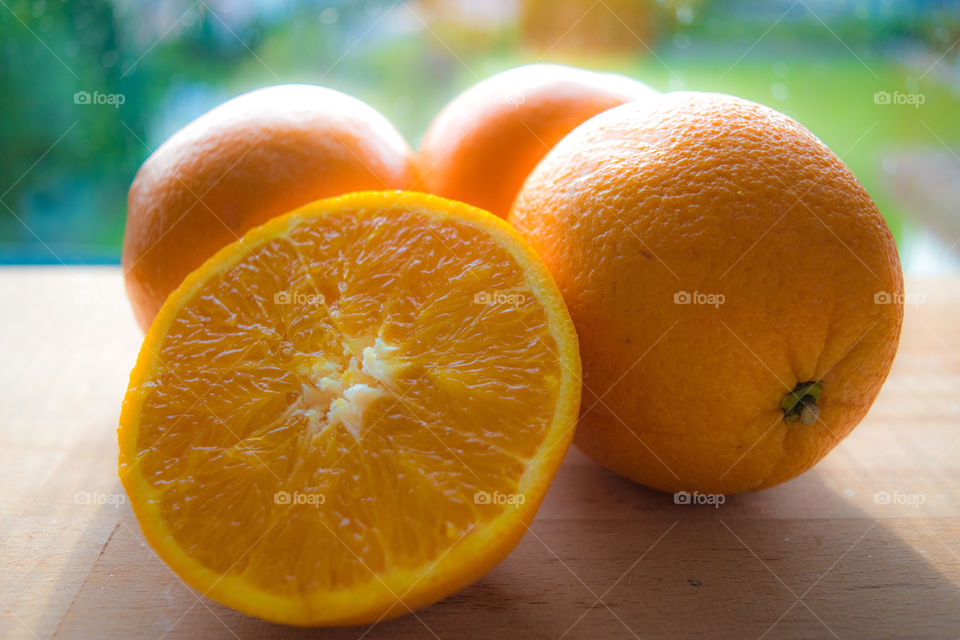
[736, 292]
[257, 156]
[483, 144]
[353, 411]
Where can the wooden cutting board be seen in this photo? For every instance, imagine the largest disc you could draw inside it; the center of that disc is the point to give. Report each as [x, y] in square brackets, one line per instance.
[867, 545]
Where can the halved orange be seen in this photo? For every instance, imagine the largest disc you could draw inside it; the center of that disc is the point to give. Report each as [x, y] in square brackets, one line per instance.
[352, 411]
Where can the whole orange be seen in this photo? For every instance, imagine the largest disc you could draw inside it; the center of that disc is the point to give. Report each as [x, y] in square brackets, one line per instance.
[736, 292]
[254, 157]
[482, 145]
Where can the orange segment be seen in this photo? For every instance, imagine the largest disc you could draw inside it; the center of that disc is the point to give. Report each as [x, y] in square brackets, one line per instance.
[353, 411]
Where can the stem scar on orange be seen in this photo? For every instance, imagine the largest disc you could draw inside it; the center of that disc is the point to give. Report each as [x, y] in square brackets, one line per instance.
[353, 411]
[736, 292]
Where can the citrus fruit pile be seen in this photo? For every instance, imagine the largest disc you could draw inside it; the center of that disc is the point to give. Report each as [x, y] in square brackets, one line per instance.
[353, 393]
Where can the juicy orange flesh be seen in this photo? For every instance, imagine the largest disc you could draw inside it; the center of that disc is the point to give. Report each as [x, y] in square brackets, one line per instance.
[378, 367]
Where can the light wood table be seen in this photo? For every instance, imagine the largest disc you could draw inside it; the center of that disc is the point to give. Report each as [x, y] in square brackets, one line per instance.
[817, 557]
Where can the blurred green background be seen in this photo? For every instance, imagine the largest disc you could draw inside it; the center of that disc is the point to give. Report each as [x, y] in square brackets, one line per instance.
[831, 65]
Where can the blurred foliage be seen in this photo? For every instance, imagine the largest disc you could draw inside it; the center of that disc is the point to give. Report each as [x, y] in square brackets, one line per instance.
[67, 166]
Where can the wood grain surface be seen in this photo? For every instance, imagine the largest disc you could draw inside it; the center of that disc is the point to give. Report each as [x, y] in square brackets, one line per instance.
[867, 545]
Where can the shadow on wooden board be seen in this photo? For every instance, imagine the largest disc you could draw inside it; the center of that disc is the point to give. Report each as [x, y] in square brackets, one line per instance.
[817, 557]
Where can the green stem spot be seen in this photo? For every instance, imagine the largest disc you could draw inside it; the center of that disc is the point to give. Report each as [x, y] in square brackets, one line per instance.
[800, 405]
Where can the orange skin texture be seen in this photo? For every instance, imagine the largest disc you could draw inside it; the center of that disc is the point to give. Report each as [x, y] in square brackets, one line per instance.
[697, 192]
[252, 158]
[484, 143]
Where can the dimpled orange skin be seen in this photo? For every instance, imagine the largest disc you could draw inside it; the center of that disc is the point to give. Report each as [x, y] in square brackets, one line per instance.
[252, 158]
[484, 143]
[713, 195]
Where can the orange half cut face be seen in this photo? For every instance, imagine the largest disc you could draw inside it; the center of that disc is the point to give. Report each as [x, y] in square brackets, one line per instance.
[351, 412]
